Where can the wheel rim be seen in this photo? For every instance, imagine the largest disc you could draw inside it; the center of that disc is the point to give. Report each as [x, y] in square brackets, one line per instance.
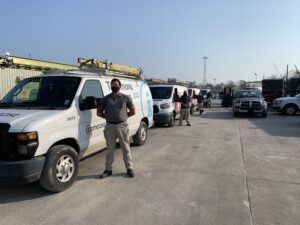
[143, 133]
[290, 110]
[65, 168]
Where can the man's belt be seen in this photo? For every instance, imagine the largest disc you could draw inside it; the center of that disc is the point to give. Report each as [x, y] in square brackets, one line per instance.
[115, 122]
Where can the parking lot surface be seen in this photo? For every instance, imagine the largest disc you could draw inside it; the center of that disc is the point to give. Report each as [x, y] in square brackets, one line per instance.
[220, 171]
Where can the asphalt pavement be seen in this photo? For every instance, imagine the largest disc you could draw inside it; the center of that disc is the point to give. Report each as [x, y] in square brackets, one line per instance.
[220, 171]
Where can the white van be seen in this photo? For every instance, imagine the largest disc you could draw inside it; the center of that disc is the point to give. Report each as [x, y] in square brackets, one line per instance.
[49, 122]
[207, 102]
[193, 92]
[166, 103]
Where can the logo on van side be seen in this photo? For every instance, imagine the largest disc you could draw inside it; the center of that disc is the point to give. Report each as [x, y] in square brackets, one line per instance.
[90, 129]
[123, 86]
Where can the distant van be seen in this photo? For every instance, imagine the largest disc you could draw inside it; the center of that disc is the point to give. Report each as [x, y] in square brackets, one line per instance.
[193, 92]
[207, 102]
[166, 103]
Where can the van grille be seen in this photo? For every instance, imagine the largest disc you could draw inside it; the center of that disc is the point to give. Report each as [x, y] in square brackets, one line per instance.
[4, 139]
[8, 144]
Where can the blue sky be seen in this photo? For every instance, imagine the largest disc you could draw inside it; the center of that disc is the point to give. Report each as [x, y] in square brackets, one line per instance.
[166, 38]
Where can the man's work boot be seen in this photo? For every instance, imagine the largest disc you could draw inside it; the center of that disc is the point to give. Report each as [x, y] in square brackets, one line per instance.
[106, 173]
[189, 124]
[130, 173]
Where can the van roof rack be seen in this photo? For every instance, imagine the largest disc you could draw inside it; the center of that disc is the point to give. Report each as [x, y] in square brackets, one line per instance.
[109, 68]
[8, 61]
[156, 81]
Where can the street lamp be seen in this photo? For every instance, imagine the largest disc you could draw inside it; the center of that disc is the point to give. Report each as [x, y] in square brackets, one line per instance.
[214, 81]
[255, 76]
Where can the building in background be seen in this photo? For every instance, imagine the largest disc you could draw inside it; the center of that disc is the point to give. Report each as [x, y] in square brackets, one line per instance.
[14, 68]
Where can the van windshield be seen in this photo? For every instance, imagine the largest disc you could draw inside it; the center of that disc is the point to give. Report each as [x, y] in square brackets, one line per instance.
[161, 92]
[203, 92]
[42, 92]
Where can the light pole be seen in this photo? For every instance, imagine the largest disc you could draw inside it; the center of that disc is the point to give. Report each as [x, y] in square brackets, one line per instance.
[255, 76]
[204, 72]
[214, 81]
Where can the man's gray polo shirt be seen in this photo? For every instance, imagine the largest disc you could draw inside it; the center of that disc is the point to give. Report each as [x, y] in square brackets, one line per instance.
[116, 107]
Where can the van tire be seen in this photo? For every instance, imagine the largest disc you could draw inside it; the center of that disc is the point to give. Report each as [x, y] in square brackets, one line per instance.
[141, 135]
[50, 179]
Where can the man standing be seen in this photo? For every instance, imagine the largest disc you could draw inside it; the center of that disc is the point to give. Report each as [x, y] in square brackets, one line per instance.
[113, 108]
[184, 111]
[208, 96]
[200, 100]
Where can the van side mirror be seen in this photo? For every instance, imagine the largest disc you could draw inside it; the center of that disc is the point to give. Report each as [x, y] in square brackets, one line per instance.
[88, 103]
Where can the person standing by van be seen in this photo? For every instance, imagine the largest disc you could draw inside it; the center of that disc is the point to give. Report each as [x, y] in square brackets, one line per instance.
[184, 111]
[200, 100]
[113, 108]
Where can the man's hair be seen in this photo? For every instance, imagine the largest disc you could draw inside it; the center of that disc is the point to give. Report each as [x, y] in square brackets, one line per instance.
[115, 79]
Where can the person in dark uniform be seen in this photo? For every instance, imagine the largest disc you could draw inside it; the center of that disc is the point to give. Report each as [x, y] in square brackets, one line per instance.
[114, 108]
[200, 100]
[184, 111]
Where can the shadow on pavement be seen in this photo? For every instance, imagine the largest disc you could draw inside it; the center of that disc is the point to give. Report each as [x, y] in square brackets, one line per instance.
[12, 193]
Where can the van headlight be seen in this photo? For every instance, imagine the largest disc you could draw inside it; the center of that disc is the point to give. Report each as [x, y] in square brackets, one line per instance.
[165, 106]
[27, 136]
[237, 103]
[27, 144]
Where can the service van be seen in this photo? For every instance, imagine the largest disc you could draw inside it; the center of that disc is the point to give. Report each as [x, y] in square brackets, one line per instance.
[166, 103]
[193, 93]
[207, 101]
[49, 122]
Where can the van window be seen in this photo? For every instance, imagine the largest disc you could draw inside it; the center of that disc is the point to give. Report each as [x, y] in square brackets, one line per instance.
[92, 88]
[161, 92]
[190, 92]
[43, 92]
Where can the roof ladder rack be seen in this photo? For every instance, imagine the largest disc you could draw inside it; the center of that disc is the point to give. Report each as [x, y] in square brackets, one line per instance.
[111, 68]
[33, 64]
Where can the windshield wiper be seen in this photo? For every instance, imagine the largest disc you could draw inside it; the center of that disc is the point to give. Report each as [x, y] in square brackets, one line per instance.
[36, 104]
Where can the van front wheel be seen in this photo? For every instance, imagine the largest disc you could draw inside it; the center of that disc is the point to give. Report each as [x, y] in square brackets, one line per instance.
[60, 169]
[141, 135]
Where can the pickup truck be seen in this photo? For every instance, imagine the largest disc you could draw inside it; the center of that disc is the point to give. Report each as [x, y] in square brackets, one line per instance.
[249, 101]
[287, 105]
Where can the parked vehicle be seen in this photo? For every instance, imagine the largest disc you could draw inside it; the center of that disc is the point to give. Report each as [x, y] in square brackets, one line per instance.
[287, 105]
[193, 92]
[207, 101]
[49, 122]
[166, 103]
[272, 89]
[227, 96]
[249, 101]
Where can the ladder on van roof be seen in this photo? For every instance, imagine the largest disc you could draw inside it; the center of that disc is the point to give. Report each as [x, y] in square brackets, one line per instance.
[8, 61]
[90, 65]
[110, 68]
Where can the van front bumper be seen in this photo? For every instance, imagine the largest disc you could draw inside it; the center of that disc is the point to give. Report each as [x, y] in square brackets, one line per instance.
[162, 118]
[21, 172]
